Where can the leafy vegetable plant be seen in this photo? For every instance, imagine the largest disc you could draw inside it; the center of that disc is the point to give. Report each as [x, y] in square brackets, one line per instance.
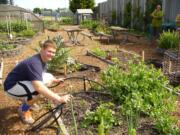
[104, 116]
[141, 89]
[99, 52]
[4, 47]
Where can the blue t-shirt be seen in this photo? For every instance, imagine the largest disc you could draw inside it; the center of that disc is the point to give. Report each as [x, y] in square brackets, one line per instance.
[28, 70]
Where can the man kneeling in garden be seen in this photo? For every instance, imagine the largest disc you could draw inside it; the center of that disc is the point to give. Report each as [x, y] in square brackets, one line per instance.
[28, 79]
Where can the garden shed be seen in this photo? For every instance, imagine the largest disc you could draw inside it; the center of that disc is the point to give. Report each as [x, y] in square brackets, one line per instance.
[83, 14]
[10, 13]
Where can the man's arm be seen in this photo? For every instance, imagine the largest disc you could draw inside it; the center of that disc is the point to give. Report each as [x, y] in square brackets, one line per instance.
[42, 89]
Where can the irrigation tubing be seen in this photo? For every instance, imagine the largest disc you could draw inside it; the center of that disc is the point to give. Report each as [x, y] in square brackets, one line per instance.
[59, 108]
[51, 113]
[81, 78]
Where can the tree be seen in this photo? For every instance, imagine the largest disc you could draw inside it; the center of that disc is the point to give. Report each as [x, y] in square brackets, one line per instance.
[81, 4]
[4, 1]
[11, 2]
[37, 10]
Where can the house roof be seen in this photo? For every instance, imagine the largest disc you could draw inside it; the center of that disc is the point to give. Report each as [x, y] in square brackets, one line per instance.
[84, 11]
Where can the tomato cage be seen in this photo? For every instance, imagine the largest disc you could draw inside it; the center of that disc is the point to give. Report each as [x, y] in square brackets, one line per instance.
[171, 65]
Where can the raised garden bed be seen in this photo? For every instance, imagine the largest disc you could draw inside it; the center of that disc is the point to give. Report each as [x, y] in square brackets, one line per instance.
[112, 56]
[13, 50]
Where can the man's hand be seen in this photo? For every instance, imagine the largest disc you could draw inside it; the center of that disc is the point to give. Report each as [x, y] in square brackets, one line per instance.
[65, 98]
[58, 80]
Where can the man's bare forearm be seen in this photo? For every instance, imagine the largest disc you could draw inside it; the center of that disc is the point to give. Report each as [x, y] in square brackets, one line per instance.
[41, 88]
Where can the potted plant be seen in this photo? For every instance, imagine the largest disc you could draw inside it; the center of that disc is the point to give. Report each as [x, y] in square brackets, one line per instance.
[168, 40]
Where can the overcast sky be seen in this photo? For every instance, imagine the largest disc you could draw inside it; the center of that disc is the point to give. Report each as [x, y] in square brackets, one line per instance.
[52, 4]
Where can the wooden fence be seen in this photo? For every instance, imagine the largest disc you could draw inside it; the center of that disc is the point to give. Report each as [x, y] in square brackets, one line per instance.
[106, 9]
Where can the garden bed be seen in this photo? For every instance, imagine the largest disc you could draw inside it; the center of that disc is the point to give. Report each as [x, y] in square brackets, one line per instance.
[79, 68]
[10, 123]
[111, 56]
[16, 50]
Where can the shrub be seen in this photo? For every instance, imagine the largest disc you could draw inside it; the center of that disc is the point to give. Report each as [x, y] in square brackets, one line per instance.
[103, 28]
[66, 20]
[27, 33]
[96, 26]
[51, 24]
[169, 40]
[90, 24]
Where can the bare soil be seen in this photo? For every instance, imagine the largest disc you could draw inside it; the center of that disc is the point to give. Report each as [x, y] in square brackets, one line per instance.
[9, 121]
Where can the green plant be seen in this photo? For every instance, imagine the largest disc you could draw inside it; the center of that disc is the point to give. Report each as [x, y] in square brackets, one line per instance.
[99, 52]
[66, 20]
[4, 47]
[104, 116]
[169, 40]
[101, 128]
[103, 28]
[72, 65]
[127, 15]
[96, 26]
[61, 54]
[90, 24]
[16, 26]
[141, 89]
[138, 21]
[26, 33]
[51, 24]
[113, 15]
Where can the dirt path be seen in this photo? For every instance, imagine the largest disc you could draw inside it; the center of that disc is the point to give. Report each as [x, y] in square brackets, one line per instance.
[9, 122]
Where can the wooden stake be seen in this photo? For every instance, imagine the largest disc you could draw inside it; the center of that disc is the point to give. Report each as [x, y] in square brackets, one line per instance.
[170, 66]
[142, 55]
[1, 71]
[65, 70]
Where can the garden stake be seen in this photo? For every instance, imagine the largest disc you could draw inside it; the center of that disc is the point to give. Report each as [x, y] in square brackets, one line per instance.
[65, 70]
[142, 55]
[1, 71]
[7, 25]
[170, 65]
[84, 79]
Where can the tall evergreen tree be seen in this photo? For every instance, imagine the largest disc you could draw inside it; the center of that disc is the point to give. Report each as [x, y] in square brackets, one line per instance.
[4, 1]
[11, 2]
